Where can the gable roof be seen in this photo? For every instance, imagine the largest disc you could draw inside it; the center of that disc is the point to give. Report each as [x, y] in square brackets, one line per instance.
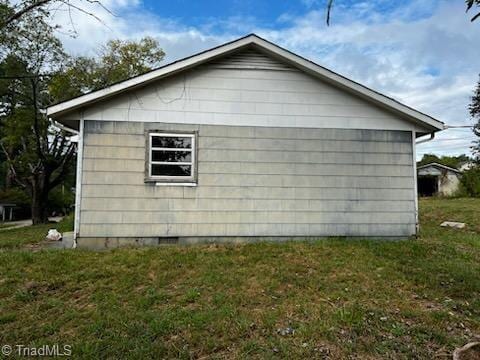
[441, 166]
[267, 47]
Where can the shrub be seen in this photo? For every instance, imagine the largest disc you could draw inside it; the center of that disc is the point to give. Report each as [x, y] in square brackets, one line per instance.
[470, 182]
[60, 200]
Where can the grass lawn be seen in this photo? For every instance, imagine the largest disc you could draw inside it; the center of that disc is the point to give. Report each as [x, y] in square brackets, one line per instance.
[4, 225]
[19, 237]
[373, 299]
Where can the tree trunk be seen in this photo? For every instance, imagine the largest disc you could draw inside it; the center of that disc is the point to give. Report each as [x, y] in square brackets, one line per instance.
[39, 204]
[8, 178]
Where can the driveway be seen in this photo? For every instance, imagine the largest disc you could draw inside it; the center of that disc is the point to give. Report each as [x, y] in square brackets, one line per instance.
[22, 223]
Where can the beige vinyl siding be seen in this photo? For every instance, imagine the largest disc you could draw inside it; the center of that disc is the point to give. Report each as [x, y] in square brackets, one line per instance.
[248, 89]
[252, 181]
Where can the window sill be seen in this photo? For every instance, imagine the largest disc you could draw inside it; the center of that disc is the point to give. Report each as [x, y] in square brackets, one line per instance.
[189, 184]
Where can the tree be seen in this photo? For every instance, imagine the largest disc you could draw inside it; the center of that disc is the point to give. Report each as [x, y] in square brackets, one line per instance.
[470, 181]
[474, 109]
[38, 155]
[13, 12]
[33, 74]
[117, 60]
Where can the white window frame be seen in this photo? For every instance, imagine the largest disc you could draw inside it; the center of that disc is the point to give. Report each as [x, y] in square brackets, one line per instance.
[179, 180]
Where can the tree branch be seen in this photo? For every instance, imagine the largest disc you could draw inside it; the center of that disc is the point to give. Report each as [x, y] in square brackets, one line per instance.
[64, 167]
[39, 3]
[70, 5]
[10, 165]
[23, 11]
[475, 17]
[329, 10]
[36, 127]
[469, 4]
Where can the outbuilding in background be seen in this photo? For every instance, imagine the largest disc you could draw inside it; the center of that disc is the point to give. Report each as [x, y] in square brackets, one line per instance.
[436, 179]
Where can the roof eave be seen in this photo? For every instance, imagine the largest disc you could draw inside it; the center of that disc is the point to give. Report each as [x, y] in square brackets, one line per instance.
[151, 76]
[430, 124]
[353, 87]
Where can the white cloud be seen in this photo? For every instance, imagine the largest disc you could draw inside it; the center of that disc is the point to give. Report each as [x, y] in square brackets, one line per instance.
[424, 53]
[127, 19]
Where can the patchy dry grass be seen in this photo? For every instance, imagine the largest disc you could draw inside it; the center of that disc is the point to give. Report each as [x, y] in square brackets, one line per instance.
[371, 299]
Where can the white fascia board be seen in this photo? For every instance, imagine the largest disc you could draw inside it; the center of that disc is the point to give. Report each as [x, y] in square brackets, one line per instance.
[308, 66]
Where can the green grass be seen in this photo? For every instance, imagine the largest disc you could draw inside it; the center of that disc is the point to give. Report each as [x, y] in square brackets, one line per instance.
[19, 237]
[374, 299]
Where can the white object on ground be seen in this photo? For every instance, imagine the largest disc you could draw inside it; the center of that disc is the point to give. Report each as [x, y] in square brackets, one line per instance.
[54, 235]
[456, 225]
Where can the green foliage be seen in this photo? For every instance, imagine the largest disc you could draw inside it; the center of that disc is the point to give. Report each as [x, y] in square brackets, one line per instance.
[37, 155]
[19, 237]
[61, 199]
[16, 196]
[31, 39]
[474, 109]
[67, 223]
[122, 59]
[470, 182]
[451, 161]
[3, 170]
[77, 77]
[118, 60]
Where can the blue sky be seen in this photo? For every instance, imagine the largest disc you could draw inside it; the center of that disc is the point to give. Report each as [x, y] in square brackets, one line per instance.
[421, 52]
[262, 13]
[196, 13]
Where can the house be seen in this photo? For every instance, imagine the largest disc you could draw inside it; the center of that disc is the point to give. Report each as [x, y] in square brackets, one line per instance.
[243, 141]
[437, 179]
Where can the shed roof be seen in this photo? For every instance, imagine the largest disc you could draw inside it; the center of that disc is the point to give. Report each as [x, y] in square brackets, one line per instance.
[441, 166]
[429, 123]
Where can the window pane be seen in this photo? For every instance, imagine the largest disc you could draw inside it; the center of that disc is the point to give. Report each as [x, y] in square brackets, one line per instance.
[172, 142]
[171, 170]
[172, 156]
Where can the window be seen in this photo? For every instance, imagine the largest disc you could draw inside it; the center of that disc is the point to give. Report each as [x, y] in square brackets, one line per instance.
[171, 157]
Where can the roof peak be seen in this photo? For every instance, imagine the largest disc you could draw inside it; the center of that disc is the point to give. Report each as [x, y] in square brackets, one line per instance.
[426, 122]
